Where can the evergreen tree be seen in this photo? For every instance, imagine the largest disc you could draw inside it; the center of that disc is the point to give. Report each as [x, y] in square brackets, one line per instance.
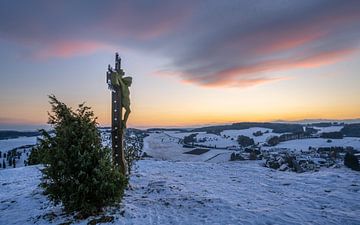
[79, 172]
[274, 140]
[191, 139]
[232, 156]
[132, 154]
[245, 141]
[351, 161]
[39, 153]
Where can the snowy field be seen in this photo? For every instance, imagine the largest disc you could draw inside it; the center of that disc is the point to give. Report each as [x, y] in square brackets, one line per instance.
[304, 144]
[166, 192]
[8, 144]
[227, 138]
[164, 147]
[329, 129]
[177, 188]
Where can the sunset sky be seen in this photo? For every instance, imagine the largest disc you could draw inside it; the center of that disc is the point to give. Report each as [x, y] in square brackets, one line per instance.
[192, 62]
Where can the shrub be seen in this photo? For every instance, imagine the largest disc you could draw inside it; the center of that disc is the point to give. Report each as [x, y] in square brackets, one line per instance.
[253, 155]
[258, 133]
[232, 156]
[39, 153]
[79, 173]
[190, 139]
[132, 154]
[236, 156]
[245, 141]
[351, 161]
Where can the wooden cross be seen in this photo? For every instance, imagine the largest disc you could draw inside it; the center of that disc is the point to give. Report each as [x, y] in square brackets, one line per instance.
[117, 131]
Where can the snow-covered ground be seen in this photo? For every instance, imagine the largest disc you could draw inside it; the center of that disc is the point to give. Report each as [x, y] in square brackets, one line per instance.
[329, 129]
[249, 132]
[304, 144]
[165, 192]
[177, 188]
[228, 138]
[164, 147]
[8, 144]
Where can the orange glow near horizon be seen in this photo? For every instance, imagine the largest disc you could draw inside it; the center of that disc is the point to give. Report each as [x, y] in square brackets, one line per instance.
[186, 117]
[202, 115]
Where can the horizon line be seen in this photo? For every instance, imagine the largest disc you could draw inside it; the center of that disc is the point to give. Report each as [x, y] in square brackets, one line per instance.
[32, 127]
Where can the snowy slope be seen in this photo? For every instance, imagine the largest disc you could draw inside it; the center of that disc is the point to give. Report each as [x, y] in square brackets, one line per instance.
[166, 192]
[249, 132]
[228, 138]
[20, 197]
[164, 147]
[9, 144]
[329, 129]
[304, 144]
[177, 188]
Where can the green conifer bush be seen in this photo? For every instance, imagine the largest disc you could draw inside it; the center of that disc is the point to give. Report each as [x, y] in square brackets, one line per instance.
[78, 172]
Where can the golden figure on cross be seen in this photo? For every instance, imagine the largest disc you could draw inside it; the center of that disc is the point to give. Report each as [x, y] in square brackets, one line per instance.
[118, 81]
[120, 98]
[123, 83]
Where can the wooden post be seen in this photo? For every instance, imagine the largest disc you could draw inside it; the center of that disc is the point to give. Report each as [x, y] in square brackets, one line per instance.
[117, 135]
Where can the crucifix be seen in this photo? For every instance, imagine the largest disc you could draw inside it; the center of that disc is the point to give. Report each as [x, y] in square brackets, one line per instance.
[120, 99]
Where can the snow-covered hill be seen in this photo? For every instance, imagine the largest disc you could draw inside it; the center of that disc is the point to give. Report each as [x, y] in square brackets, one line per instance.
[8, 144]
[177, 188]
[228, 138]
[22, 147]
[167, 145]
[166, 192]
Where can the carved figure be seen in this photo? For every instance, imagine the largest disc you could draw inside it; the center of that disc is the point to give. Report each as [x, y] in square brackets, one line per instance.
[124, 83]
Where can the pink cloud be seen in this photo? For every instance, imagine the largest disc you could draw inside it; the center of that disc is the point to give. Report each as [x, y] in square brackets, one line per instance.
[289, 41]
[66, 49]
[250, 75]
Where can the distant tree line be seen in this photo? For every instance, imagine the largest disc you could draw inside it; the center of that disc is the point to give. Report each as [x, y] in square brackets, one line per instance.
[8, 134]
[276, 127]
[332, 135]
[326, 124]
[351, 130]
